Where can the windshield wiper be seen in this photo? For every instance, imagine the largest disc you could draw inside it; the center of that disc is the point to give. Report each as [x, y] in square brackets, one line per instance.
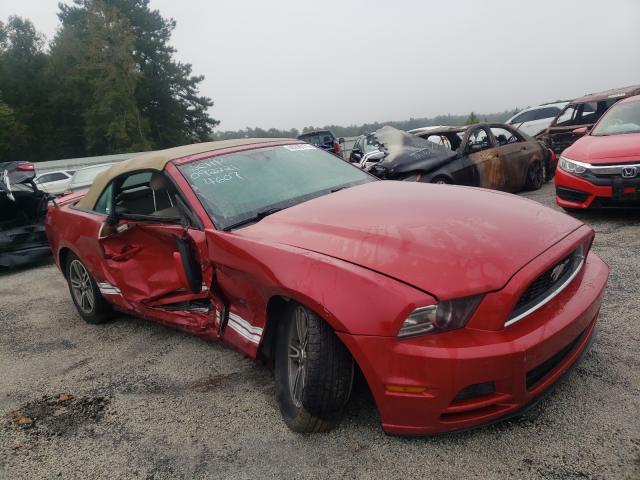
[256, 218]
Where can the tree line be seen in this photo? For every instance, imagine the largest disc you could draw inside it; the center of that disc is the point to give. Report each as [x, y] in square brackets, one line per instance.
[355, 130]
[107, 83]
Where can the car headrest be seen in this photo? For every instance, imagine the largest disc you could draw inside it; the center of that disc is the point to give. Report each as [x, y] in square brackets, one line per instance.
[158, 182]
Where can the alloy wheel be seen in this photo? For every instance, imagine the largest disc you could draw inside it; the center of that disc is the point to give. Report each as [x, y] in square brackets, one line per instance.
[81, 286]
[297, 355]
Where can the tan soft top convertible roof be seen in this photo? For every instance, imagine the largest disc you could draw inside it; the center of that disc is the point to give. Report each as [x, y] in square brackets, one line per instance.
[158, 159]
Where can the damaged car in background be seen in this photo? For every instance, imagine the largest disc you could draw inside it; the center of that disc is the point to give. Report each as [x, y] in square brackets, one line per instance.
[580, 115]
[489, 155]
[458, 313]
[22, 212]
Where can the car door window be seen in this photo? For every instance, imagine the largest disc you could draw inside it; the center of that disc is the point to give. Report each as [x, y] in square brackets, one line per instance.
[478, 140]
[440, 140]
[52, 177]
[523, 117]
[103, 205]
[542, 113]
[146, 193]
[43, 179]
[504, 136]
[568, 116]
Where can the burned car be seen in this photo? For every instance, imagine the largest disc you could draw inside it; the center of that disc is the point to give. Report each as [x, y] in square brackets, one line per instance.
[22, 212]
[580, 115]
[460, 306]
[489, 155]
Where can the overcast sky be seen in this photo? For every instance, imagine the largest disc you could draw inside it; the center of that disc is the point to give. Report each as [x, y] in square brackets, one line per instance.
[292, 63]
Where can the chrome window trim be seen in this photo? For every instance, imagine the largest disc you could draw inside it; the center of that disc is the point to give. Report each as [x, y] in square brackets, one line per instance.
[548, 298]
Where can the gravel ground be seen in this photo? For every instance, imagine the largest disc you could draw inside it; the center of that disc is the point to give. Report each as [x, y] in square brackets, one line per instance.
[143, 401]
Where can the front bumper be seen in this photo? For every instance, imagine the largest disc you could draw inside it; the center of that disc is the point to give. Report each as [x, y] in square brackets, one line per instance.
[576, 192]
[521, 361]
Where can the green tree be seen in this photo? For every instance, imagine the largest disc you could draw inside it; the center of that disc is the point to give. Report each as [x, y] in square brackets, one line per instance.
[8, 131]
[166, 92]
[113, 122]
[471, 119]
[24, 87]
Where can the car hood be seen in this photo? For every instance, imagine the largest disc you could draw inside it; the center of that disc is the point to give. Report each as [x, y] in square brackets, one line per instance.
[598, 150]
[445, 240]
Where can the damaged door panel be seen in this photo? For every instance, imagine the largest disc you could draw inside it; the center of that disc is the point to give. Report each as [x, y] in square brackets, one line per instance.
[159, 267]
[22, 212]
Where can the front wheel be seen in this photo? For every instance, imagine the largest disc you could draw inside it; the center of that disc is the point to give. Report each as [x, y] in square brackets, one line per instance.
[535, 176]
[313, 370]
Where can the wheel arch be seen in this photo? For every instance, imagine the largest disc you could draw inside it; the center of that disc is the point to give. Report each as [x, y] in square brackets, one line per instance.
[276, 308]
[63, 255]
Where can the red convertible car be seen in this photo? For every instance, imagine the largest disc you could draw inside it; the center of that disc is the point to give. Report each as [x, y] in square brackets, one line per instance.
[460, 306]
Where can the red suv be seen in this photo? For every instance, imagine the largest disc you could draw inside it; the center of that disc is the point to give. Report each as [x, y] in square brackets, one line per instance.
[603, 167]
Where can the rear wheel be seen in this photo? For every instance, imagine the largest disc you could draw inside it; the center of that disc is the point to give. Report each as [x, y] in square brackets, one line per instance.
[441, 180]
[313, 370]
[89, 302]
[535, 176]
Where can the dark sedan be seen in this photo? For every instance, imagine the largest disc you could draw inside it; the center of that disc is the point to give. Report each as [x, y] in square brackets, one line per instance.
[490, 155]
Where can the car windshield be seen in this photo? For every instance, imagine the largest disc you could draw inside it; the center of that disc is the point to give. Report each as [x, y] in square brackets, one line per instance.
[621, 118]
[241, 186]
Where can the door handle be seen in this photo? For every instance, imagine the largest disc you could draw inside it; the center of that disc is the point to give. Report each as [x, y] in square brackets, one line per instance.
[128, 253]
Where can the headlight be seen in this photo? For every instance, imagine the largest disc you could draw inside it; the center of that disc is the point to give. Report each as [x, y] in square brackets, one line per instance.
[437, 318]
[572, 166]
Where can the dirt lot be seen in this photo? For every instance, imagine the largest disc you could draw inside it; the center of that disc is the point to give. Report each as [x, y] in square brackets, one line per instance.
[149, 402]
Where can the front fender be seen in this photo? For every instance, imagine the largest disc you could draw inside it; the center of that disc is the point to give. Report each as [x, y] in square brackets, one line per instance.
[352, 299]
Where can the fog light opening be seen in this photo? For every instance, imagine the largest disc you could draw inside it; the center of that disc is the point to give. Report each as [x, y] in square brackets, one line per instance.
[474, 391]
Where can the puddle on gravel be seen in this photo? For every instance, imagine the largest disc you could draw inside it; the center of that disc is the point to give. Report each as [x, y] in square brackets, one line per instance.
[57, 416]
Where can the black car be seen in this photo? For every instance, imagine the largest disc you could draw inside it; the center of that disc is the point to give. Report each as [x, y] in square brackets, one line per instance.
[488, 155]
[22, 213]
[324, 139]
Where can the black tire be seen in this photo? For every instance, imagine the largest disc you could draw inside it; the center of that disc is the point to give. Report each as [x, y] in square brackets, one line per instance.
[573, 210]
[89, 302]
[535, 176]
[442, 180]
[324, 385]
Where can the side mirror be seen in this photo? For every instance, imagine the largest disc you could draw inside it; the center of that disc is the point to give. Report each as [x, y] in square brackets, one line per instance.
[581, 131]
[341, 140]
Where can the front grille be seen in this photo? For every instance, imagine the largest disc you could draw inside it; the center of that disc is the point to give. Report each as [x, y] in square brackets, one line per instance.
[571, 195]
[615, 170]
[547, 285]
[538, 373]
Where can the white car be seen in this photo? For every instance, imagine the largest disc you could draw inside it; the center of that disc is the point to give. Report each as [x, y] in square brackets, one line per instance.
[534, 120]
[83, 178]
[54, 183]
